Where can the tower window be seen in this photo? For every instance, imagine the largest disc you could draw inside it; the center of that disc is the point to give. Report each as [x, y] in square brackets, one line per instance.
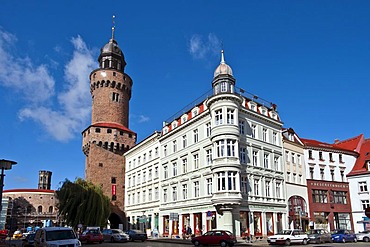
[114, 74]
[121, 133]
[97, 130]
[100, 164]
[114, 197]
[115, 97]
[109, 131]
[114, 180]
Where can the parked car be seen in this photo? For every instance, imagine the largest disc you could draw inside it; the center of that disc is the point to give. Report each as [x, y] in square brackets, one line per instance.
[91, 236]
[17, 235]
[343, 236]
[288, 237]
[215, 237]
[363, 236]
[319, 236]
[115, 235]
[56, 237]
[29, 240]
[136, 235]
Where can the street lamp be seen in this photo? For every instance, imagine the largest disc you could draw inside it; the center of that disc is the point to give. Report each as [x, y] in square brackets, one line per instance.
[4, 165]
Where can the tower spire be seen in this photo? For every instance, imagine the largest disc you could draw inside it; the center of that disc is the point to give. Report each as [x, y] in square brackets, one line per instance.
[113, 26]
[222, 57]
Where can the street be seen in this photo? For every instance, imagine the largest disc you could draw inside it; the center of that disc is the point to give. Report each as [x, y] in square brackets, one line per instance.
[171, 243]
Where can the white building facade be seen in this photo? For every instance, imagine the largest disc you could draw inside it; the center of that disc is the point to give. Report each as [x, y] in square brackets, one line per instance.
[219, 165]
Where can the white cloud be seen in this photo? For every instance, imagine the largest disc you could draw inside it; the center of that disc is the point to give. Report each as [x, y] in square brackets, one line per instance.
[200, 48]
[143, 119]
[37, 86]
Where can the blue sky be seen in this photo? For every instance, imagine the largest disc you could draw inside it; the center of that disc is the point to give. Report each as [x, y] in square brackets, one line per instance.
[311, 58]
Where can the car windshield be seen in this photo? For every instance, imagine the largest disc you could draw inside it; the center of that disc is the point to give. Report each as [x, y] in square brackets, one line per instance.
[60, 235]
[117, 231]
[338, 232]
[285, 232]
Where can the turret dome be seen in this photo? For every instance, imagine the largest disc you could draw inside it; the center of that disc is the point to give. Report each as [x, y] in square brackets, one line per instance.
[223, 68]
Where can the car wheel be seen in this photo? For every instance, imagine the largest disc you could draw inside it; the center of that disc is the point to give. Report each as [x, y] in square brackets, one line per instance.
[366, 239]
[287, 242]
[196, 243]
[304, 242]
[355, 240]
[223, 244]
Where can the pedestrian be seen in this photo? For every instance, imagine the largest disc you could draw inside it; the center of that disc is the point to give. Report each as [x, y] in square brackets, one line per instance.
[184, 232]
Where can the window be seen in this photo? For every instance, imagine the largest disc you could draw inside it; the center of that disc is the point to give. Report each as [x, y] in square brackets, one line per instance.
[267, 189]
[144, 193]
[138, 197]
[165, 150]
[174, 146]
[264, 135]
[266, 161]
[208, 129]
[156, 193]
[97, 130]
[209, 186]
[255, 158]
[196, 161]
[144, 158]
[278, 190]
[196, 136]
[156, 172]
[311, 172]
[230, 147]
[342, 175]
[156, 152]
[274, 138]
[242, 155]
[174, 169]
[331, 157]
[139, 160]
[184, 165]
[150, 174]
[288, 176]
[174, 193]
[184, 141]
[221, 181]
[310, 154]
[150, 155]
[287, 156]
[299, 159]
[113, 180]
[322, 173]
[254, 130]
[244, 185]
[256, 187]
[276, 163]
[165, 171]
[319, 196]
[332, 174]
[115, 97]
[340, 197]
[109, 131]
[293, 158]
[129, 182]
[341, 158]
[365, 204]
[150, 196]
[362, 186]
[184, 191]
[320, 156]
[218, 117]
[230, 116]
[220, 148]
[164, 195]
[231, 180]
[241, 127]
[196, 189]
[209, 156]
[133, 180]
[138, 178]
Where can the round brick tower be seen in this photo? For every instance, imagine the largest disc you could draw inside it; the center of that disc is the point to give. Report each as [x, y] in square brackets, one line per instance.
[108, 136]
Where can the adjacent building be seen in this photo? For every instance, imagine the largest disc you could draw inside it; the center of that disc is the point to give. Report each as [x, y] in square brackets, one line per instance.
[327, 166]
[219, 164]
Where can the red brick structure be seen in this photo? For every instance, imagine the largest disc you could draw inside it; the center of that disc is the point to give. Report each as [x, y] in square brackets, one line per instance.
[108, 136]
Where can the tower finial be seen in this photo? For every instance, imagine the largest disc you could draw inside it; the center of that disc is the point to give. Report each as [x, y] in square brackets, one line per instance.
[222, 57]
[113, 26]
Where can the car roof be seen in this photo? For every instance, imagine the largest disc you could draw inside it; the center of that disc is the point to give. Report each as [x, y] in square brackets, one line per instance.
[54, 228]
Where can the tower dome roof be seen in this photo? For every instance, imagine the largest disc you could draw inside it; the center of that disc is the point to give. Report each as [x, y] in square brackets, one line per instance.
[223, 68]
[111, 47]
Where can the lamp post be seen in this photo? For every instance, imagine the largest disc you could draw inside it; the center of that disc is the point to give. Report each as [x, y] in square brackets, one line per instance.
[4, 165]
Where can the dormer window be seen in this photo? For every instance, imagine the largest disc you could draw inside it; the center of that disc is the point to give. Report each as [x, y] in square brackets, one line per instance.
[263, 110]
[165, 130]
[252, 105]
[195, 112]
[184, 118]
[174, 124]
[273, 115]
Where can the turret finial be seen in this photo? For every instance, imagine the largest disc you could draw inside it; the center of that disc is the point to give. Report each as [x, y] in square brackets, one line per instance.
[113, 26]
[222, 57]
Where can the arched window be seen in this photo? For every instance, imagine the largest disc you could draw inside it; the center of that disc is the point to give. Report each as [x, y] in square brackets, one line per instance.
[39, 209]
[51, 209]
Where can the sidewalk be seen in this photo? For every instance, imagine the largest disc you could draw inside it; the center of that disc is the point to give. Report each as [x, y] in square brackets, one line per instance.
[240, 242]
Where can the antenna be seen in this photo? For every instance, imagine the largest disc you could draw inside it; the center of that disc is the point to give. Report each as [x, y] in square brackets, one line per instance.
[113, 26]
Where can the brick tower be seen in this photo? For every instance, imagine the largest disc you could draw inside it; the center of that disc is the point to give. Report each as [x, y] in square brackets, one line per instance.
[108, 136]
[44, 180]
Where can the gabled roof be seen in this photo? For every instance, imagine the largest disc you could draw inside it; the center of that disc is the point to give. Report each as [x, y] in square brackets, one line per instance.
[361, 166]
[324, 145]
[353, 144]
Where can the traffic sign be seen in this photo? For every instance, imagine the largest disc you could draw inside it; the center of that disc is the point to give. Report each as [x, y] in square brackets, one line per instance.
[367, 212]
